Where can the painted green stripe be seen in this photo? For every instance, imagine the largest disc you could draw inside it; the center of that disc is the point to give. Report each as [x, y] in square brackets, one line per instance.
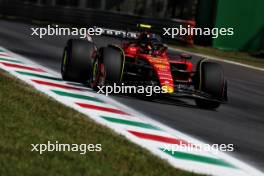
[132, 123]
[193, 157]
[79, 96]
[1, 50]
[38, 75]
[10, 60]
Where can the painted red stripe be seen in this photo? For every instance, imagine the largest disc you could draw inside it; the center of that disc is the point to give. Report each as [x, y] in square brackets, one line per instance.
[100, 108]
[22, 67]
[159, 138]
[5, 55]
[56, 85]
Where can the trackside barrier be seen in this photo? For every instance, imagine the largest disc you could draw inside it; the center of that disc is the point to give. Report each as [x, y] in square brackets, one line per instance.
[81, 16]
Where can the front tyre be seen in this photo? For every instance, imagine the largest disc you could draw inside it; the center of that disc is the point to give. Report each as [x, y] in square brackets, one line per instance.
[210, 79]
[77, 60]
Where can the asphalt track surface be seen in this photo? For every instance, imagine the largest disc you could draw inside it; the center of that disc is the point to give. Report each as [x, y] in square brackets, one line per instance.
[240, 122]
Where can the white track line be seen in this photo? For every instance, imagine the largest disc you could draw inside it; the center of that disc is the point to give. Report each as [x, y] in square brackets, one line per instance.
[218, 59]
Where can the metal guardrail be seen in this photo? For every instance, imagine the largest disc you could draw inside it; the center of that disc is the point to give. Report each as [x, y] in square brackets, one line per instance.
[89, 17]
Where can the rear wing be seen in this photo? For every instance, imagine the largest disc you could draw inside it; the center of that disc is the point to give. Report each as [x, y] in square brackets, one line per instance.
[125, 33]
[120, 33]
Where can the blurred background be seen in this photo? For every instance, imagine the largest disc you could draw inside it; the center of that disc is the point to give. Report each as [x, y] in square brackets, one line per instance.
[153, 8]
[246, 17]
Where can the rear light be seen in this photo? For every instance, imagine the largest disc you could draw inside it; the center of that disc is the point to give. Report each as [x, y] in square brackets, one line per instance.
[132, 49]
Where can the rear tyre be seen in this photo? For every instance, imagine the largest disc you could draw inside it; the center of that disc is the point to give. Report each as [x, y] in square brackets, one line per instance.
[113, 62]
[77, 60]
[108, 67]
[210, 79]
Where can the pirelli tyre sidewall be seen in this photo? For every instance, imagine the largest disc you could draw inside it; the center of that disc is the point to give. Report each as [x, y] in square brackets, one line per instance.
[210, 79]
[77, 60]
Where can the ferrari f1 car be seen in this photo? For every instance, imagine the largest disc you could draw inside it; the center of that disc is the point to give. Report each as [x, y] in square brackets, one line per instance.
[145, 61]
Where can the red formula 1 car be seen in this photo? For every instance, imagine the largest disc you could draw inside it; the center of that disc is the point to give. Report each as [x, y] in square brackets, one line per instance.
[145, 61]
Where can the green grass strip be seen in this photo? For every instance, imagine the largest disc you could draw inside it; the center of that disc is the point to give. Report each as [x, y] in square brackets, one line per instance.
[193, 157]
[132, 123]
[29, 117]
[79, 96]
[10, 60]
[38, 75]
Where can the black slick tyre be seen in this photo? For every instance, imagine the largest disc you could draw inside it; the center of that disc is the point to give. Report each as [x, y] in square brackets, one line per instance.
[77, 60]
